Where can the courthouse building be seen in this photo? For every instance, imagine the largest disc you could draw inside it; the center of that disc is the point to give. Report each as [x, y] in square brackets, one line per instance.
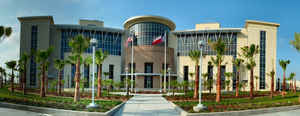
[40, 32]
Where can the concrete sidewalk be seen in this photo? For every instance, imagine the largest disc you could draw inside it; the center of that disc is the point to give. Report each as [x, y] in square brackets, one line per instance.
[283, 113]
[147, 105]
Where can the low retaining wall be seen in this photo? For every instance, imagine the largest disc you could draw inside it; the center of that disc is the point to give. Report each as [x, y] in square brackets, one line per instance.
[60, 112]
[237, 113]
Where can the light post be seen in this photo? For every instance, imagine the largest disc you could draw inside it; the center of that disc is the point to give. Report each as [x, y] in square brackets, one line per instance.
[169, 77]
[200, 105]
[93, 42]
[126, 76]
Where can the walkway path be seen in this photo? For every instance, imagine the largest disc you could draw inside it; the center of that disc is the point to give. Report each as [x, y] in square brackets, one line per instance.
[14, 112]
[147, 105]
[283, 113]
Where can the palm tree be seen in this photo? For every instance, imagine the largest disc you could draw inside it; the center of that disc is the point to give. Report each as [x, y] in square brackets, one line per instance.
[174, 84]
[5, 32]
[205, 79]
[12, 65]
[249, 53]
[272, 74]
[100, 57]
[195, 55]
[291, 78]
[296, 42]
[24, 59]
[42, 57]
[227, 82]
[4, 75]
[59, 65]
[78, 44]
[72, 60]
[220, 48]
[295, 86]
[2, 70]
[87, 61]
[283, 64]
[256, 85]
[237, 63]
[192, 84]
[105, 75]
[20, 69]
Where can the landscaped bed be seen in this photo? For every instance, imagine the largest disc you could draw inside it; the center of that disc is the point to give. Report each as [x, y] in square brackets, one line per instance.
[243, 103]
[212, 96]
[85, 94]
[55, 102]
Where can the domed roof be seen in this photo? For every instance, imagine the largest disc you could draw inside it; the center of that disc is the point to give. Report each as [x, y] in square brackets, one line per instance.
[149, 18]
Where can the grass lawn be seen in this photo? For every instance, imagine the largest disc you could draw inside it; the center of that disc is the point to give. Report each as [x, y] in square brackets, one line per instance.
[235, 104]
[55, 102]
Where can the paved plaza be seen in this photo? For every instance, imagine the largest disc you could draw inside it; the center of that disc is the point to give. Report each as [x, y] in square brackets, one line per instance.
[147, 105]
[14, 112]
[283, 113]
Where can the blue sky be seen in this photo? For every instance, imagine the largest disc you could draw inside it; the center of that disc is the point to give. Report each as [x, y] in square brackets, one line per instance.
[185, 13]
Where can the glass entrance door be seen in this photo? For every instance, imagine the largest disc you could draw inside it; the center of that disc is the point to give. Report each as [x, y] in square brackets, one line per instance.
[148, 81]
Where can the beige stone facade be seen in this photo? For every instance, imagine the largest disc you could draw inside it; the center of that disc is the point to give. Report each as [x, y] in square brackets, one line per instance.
[146, 28]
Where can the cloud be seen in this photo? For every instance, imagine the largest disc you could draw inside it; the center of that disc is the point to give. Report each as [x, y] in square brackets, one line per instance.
[9, 49]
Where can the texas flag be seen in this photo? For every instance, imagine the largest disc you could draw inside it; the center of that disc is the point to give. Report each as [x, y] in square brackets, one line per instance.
[158, 40]
[130, 39]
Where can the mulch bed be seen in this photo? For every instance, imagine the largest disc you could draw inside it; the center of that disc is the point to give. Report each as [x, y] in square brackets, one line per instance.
[211, 97]
[82, 95]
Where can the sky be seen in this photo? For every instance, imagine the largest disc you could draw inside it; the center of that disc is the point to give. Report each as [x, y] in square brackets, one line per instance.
[185, 14]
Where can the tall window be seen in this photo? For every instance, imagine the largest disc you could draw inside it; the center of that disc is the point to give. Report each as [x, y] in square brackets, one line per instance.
[163, 66]
[223, 78]
[146, 32]
[187, 41]
[111, 71]
[262, 59]
[107, 41]
[186, 73]
[86, 75]
[129, 67]
[34, 33]
[73, 69]
[148, 81]
[210, 72]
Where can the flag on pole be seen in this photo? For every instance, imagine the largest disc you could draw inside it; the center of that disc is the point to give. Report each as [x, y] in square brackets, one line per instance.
[158, 40]
[130, 39]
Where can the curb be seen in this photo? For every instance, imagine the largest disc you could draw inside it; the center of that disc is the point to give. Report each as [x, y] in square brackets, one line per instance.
[60, 112]
[237, 113]
[177, 108]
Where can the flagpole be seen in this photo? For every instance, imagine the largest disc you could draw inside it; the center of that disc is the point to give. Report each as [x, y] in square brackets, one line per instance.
[132, 63]
[165, 66]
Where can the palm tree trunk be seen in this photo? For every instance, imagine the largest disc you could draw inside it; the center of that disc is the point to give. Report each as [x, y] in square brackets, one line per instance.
[196, 92]
[1, 80]
[24, 81]
[295, 86]
[42, 91]
[12, 81]
[256, 85]
[5, 80]
[272, 86]
[251, 83]
[291, 84]
[77, 79]
[237, 83]
[173, 91]
[99, 80]
[218, 96]
[46, 83]
[59, 82]
[283, 85]
[20, 80]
